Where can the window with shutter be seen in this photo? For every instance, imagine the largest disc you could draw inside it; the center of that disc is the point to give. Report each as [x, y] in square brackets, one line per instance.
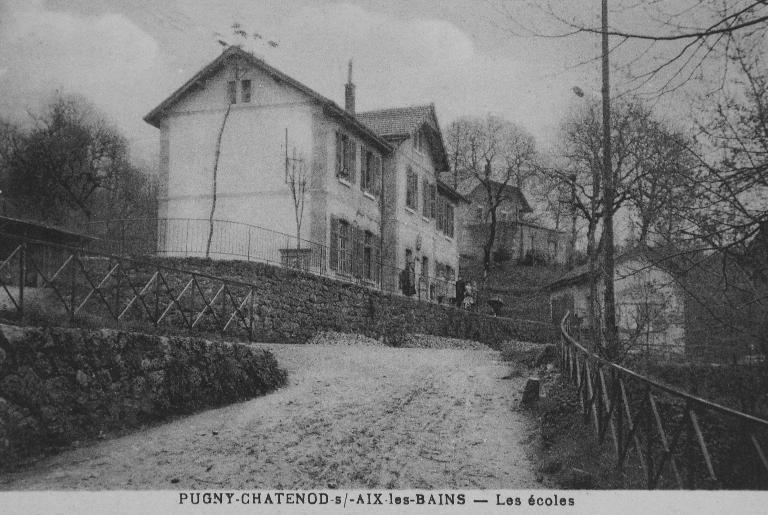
[333, 253]
[449, 219]
[245, 90]
[425, 192]
[412, 190]
[339, 154]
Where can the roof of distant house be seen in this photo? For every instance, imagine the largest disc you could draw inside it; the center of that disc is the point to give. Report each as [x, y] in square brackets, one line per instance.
[507, 191]
[673, 261]
[332, 108]
[450, 192]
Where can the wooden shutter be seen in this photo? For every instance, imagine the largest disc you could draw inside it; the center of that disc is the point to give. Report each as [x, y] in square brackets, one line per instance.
[433, 201]
[377, 174]
[364, 178]
[425, 198]
[333, 257]
[352, 160]
[440, 217]
[376, 259]
[339, 154]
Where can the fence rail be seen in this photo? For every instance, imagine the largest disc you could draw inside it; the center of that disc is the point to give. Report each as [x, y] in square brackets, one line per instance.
[674, 439]
[69, 283]
[188, 237]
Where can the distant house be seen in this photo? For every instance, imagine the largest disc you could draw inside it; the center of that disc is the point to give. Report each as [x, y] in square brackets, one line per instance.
[650, 302]
[692, 304]
[517, 237]
[373, 203]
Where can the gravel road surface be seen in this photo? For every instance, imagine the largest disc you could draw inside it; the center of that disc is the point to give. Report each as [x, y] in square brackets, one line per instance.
[351, 417]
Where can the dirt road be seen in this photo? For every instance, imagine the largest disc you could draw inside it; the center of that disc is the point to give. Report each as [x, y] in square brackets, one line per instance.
[372, 417]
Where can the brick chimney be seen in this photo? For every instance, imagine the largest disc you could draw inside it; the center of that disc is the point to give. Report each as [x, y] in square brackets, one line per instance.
[349, 92]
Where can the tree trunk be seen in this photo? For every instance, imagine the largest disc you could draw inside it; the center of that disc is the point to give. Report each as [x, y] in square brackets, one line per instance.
[215, 181]
[488, 247]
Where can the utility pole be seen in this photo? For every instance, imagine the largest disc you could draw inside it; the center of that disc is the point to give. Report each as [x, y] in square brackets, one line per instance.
[609, 313]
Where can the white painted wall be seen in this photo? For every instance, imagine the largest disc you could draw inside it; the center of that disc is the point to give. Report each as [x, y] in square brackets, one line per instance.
[410, 224]
[251, 173]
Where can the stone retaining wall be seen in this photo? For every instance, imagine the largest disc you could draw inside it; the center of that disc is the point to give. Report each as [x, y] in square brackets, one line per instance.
[62, 385]
[291, 306]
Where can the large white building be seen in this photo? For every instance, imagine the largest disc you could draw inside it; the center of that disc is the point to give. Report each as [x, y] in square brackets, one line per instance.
[373, 203]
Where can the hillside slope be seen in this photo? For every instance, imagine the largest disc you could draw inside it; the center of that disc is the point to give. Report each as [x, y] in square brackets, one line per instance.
[520, 287]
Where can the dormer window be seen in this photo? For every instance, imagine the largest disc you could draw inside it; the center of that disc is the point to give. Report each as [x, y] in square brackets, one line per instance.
[419, 141]
[245, 91]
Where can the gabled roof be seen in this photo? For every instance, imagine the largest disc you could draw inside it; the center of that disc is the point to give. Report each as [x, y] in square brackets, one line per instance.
[451, 193]
[157, 114]
[398, 123]
[675, 262]
[508, 192]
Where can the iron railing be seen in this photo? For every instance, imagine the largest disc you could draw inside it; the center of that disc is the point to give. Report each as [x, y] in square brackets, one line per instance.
[676, 440]
[188, 237]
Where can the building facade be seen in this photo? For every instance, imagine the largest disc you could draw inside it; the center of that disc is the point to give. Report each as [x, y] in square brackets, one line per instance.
[232, 140]
[650, 303]
[515, 237]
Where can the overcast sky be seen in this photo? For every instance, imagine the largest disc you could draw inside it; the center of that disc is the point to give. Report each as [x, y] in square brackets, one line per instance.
[128, 55]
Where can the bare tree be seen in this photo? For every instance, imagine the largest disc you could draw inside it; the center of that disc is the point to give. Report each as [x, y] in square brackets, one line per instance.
[495, 154]
[242, 37]
[297, 176]
[660, 45]
[58, 170]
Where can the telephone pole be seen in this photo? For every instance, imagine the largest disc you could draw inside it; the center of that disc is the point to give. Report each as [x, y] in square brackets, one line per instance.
[609, 313]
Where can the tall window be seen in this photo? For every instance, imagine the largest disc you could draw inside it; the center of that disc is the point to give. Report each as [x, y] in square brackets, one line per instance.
[370, 172]
[340, 245]
[345, 251]
[245, 91]
[232, 92]
[419, 141]
[368, 264]
[412, 190]
[425, 193]
[449, 219]
[345, 157]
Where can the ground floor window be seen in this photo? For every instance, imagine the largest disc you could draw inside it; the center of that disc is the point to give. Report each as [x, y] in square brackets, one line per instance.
[353, 251]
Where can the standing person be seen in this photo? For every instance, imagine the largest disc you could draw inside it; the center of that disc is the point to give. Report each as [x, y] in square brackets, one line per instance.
[469, 299]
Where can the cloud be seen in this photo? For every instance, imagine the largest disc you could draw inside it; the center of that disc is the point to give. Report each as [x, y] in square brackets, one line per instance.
[404, 61]
[106, 58]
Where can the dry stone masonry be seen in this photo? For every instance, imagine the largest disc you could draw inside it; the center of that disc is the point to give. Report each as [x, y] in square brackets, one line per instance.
[62, 385]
